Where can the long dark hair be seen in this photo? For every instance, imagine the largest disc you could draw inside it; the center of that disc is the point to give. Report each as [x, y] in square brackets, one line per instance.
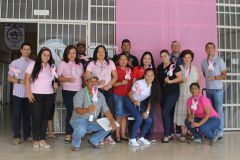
[67, 51]
[96, 51]
[38, 62]
[155, 94]
[150, 54]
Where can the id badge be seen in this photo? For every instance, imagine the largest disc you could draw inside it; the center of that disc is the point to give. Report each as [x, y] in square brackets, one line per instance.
[90, 118]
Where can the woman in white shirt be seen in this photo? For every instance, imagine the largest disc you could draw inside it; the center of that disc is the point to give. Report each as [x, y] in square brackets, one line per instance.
[143, 90]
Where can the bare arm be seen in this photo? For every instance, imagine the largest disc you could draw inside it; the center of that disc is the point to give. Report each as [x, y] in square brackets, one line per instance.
[198, 76]
[109, 116]
[134, 80]
[178, 78]
[12, 79]
[122, 83]
[207, 116]
[28, 88]
[114, 78]
[64, 79]
[82, 111]
[189, 115]
[223, 76]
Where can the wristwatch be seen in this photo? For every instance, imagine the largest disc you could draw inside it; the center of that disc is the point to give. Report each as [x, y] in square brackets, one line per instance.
[18, 81]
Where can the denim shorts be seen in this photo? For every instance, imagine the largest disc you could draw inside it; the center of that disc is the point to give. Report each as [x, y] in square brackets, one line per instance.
[120, 105]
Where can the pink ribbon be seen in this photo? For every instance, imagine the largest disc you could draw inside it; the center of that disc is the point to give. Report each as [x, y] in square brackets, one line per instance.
[103, 68]
[210, 65]
[138, 91]
[171, 69]
[54, 73]
[74, 71]
[128, 74]
[94, 93]
[15, 71]
[187, 71]
[86, 58]
[194, 104]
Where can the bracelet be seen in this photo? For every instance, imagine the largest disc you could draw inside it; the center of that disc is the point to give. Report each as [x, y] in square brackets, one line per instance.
[147, 112]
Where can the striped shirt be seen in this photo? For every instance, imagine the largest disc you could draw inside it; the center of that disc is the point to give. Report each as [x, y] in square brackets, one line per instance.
[19, 65]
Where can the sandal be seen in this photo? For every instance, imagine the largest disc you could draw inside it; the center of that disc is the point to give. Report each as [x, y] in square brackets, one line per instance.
[182, 138]
[52, 136]
[118, 139]
[67, 141]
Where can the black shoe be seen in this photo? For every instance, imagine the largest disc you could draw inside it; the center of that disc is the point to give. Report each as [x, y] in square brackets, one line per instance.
[94, 145]
[67, 141]
[220, 138]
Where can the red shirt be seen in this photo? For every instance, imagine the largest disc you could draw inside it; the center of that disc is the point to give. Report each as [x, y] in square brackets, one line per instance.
[138, 72]
[122, 90]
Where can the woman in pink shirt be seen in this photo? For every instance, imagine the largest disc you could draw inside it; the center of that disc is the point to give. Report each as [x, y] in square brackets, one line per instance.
[70, 72]
[39, 90]
[105, 70]
[202, 119]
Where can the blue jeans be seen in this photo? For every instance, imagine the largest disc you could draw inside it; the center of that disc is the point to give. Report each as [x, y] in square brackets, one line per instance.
[109, 100]
[21, 111]
[120, 105]
[68, 102]
[151, 114]
[208, 129]
[145, 124]
[216, 98]
[82, 126]
[168, 107]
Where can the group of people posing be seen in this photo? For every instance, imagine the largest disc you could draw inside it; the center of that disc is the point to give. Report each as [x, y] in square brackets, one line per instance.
[117, 88]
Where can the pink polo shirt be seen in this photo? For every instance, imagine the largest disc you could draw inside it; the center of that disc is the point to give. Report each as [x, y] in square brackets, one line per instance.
[43, 83]
[68, 70]
[203, 102]
[102, 70]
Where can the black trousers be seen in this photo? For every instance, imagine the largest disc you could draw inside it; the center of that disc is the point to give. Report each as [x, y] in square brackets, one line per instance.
[21, 113]
[40, 109]
[68, 102]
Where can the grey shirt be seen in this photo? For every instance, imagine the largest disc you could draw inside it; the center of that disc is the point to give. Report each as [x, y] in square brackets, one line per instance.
[219, 66]
[81, 100]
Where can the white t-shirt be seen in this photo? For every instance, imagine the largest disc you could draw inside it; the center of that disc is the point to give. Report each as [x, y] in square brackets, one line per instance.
[140, 90]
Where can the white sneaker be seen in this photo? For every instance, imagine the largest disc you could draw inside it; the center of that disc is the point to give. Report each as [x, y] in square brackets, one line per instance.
[143, 141]
[44, 144]
[133, 142]
[35, 144]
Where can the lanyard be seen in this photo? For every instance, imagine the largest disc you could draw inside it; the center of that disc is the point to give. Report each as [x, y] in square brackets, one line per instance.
[88, 96]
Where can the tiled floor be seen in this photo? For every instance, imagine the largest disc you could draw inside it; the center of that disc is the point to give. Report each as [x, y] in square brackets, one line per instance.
[228, 149]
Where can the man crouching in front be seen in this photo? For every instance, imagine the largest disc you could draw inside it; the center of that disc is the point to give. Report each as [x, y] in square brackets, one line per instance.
[88, 103]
